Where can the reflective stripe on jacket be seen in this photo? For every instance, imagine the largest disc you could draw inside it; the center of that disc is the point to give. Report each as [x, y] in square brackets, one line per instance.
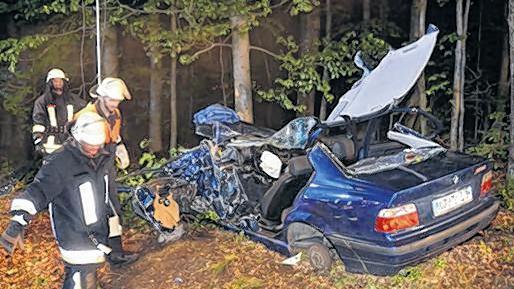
[76, 191]
[50, 115]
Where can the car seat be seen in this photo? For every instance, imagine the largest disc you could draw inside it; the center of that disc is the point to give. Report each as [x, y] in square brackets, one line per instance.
[283, 191]
[342, 146]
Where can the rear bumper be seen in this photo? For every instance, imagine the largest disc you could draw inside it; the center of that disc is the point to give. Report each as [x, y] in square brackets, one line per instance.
[365, 257]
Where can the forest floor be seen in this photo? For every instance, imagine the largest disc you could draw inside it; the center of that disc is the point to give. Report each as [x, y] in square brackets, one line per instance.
[212, 258]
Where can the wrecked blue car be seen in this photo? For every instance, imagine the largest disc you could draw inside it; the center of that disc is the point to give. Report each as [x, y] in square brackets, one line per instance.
[363, 186]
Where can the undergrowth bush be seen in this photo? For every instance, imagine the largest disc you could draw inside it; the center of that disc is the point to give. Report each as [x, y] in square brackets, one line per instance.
[494, 145]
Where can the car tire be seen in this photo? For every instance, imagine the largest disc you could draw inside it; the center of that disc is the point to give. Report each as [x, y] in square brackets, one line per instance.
[320, 257]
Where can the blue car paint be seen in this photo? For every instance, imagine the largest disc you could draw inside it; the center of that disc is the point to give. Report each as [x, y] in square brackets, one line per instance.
[334, 202]
[344, 209]
[368, 258]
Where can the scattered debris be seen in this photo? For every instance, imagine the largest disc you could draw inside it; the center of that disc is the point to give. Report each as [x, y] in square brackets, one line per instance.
[294, 260]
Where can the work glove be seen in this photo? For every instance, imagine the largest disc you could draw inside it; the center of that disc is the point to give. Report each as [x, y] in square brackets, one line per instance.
[38, 144]
[40, 149]
[122, 156]
[12, 237]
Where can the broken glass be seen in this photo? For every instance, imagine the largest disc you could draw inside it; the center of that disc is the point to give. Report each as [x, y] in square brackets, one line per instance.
[391, 162]
[295, 135]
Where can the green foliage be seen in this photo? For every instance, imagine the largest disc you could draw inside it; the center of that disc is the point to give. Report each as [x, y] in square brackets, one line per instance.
[18, 88]
[495, 141]
[148, 161]
[304, 72]
[202, 23]
[35, 10]
[439, 77]
[438, 83]
[494, 145]
[410, 275]
[199, 23]
[209, 215]
[220, 267]
[303, 6]
[440, 263]
[57, 23]
[14, 88]
[11, 48]
[129, 217]
[246, 282]
[506, 193]
[240, 238]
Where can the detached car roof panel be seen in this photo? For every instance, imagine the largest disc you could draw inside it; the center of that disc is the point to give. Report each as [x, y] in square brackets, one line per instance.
[388, 83]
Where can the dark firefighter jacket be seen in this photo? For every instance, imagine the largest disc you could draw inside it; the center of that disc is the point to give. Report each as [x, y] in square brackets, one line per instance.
[50, 115]
[75, 189]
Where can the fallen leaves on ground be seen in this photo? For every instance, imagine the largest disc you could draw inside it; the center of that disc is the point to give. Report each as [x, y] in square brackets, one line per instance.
[212, 258]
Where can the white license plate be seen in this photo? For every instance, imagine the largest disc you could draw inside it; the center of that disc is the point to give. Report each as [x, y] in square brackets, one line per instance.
[452, 201]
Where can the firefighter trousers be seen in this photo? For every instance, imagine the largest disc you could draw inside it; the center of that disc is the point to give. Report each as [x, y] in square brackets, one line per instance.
[80, 276]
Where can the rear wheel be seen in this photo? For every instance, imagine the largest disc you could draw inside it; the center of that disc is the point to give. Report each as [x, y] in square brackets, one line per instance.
[320, 257]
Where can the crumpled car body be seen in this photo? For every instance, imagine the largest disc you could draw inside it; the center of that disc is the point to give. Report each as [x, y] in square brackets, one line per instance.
[378, 201]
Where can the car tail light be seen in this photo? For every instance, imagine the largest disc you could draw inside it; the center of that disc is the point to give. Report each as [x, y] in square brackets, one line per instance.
[394, 219]
[487, 184]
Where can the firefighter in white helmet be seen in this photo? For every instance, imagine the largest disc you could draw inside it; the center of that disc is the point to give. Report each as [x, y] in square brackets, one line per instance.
[108, 95]
[74, 184]
[52, 110]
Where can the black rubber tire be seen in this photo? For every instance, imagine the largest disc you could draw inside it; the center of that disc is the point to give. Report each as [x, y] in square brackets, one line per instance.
[320, 257]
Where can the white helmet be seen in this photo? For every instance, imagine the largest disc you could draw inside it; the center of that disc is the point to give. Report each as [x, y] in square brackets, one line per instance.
[89, 128]
[56, 73]
[111, 87]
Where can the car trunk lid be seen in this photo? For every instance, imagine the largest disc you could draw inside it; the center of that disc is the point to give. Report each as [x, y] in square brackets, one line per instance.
[452, 184]
[435, 167]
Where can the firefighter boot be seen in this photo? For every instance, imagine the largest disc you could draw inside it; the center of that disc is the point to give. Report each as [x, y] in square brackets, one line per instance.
[118, 258]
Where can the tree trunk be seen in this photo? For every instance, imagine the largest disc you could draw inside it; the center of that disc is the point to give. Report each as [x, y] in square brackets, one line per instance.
[463, 75]
[503, 82]
[110, 55]
[155, 122]
[383, 10]
[457, 119]
[7, 120]
[328, 36]
[366, 11]
[241, 66]
[310, 28]
[173, 92]
[417, 29]
[511, 43]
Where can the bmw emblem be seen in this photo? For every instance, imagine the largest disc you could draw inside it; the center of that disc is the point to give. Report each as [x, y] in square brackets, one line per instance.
[455, 179]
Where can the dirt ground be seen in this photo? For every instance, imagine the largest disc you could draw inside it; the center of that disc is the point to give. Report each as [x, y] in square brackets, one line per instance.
[212, 258]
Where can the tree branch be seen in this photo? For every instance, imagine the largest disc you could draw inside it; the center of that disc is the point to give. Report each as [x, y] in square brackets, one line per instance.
[265, 51]
[279, 4]
[69, 32]
[213, 45]
[150, 11]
